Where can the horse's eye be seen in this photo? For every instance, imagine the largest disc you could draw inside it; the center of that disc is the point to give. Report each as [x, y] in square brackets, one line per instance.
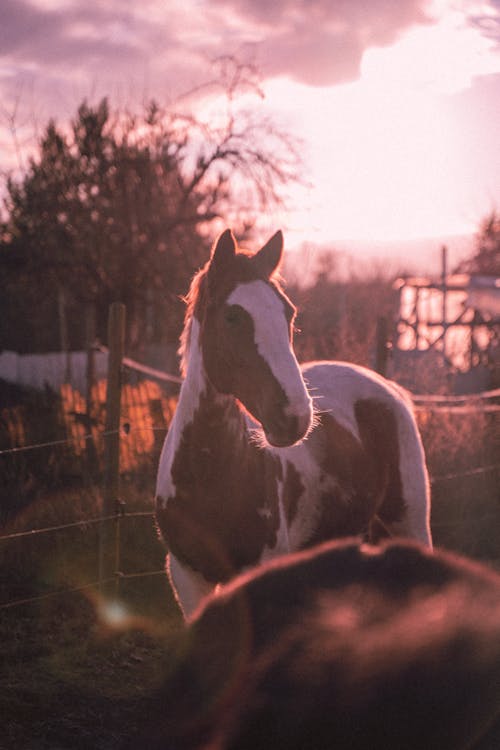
[232, 316]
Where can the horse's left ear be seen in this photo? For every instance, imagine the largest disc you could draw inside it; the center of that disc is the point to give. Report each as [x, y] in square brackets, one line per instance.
[224, 248]
[269, 257]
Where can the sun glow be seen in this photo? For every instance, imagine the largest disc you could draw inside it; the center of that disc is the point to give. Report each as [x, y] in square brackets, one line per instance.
[387, 154]
[382, 164]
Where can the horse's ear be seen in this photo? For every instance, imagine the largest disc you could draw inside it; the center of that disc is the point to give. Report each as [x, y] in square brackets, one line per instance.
[224, 248]
[269, 257]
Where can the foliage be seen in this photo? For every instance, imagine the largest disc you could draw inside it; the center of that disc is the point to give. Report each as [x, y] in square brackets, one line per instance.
[338, 314]
[486, 256]
[117, 207]
[463, 458]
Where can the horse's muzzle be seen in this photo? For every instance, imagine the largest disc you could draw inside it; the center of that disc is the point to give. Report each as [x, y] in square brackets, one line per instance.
[284, 430]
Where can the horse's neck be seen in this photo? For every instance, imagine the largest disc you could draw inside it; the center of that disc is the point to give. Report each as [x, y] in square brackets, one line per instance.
[195, 384]
[207, 437]
[199, 404]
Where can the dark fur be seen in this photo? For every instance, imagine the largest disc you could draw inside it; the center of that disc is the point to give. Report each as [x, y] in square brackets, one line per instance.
[343, 647]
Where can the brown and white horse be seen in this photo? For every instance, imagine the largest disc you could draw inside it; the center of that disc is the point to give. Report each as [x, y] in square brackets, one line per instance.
[249, 470]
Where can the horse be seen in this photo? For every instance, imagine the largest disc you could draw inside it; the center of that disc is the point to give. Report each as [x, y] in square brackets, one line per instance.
[264, 457]
[344, 646]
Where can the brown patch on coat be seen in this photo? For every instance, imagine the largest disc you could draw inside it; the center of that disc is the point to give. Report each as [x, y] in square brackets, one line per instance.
[365, 490]
[225, 508]
[349, 498]
[379, 432]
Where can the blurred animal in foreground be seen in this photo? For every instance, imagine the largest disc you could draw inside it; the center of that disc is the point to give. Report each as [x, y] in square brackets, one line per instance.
[249, 469]
[344, 647]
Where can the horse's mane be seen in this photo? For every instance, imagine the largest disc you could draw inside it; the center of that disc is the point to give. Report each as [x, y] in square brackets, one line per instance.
[191, 299]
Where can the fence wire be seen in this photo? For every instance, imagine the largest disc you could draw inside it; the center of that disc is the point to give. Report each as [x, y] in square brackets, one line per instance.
[460, 404]
[60, 592]
[82, 524]
[444, 399]
[124, 430]
[467, 473]
[119, 575]
[86, 522]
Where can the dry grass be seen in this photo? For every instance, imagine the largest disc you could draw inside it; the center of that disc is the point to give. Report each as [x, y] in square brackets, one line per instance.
[463, 455]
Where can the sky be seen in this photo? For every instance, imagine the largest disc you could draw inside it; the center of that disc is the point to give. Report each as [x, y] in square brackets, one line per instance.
[396, 102]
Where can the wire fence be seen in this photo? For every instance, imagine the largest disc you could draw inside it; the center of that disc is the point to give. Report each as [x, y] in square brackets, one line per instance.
[451, 404]
[466, 404]
[463, 404]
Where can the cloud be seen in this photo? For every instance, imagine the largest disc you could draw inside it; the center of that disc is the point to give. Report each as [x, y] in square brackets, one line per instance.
[55, 53]
[320, 42]
[37, 36]
[87, 42]
[168, 46]
[486, 18]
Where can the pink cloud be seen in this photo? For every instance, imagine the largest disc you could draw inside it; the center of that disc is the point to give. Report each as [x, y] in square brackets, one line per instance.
[320, 42]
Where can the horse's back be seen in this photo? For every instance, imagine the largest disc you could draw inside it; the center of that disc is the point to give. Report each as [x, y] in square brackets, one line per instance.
[362, 400]
[379, 415]
[338, 386]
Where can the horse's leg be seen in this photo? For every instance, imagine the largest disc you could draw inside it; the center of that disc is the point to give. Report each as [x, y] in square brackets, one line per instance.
[189, 587]
[416, 493]
[414, 526]
[415, 521]
[405, 510]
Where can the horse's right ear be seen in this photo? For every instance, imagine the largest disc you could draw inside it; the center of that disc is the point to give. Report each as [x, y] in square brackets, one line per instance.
[224, 249]
[268, 259]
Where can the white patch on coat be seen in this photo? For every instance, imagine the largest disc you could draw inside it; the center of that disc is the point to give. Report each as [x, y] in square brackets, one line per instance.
[315, 483]
[189, 587]
[282, 546]
[272, 340]
[189, 400]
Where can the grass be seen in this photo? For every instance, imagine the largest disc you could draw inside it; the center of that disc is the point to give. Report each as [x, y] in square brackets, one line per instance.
[69, 682]
[70, 678]
[463, 456]
[69, 673]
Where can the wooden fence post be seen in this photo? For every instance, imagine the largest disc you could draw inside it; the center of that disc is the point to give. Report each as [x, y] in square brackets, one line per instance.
[108, 549]
[90, 336]
[444, 283]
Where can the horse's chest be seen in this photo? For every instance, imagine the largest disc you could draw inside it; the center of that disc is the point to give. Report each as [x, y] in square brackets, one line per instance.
[222, 511]
[302, 492]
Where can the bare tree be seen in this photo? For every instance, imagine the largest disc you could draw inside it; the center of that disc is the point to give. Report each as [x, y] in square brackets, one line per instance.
[486, 255]
[122, 207]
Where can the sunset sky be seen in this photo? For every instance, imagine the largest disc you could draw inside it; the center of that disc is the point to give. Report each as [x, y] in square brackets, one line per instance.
[397, 101]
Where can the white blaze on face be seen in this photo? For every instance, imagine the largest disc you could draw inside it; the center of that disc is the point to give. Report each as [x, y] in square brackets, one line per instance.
[272, 340]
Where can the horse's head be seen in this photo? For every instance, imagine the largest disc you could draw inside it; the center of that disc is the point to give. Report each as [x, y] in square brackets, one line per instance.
[246, 326]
